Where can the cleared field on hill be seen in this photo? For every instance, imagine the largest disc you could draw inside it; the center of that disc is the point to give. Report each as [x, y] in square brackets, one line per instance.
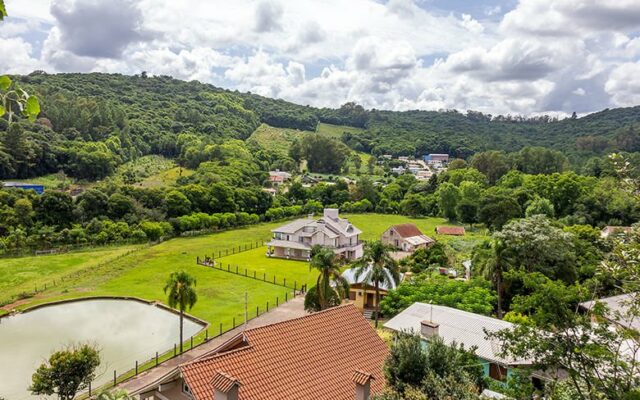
[221, 294]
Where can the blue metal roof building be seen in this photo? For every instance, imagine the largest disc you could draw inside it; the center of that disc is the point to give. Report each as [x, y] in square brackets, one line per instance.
[39, 189]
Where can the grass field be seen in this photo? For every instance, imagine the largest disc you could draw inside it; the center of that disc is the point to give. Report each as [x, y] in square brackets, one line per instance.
[278, 140]
[144, 272]
[336, 131]
[25, 274]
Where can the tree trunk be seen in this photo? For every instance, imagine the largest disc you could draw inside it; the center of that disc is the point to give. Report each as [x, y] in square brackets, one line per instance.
[377, 303]
[181, 320]
[499, 290]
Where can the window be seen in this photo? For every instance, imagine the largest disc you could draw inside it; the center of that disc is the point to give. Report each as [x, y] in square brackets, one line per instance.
[186, 390]
[497, 372]
[352, 295]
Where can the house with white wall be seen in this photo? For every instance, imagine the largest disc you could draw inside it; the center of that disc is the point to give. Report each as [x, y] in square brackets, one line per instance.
[296, 239]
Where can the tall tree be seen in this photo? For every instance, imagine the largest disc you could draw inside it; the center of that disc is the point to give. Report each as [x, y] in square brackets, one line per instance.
[330, 281]
[377, 267]
[182, 295]
[489, 259]
[66, 372]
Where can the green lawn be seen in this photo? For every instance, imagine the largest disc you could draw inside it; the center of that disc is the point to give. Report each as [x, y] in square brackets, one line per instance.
[221, 294]
[256, 260]
[25, 274]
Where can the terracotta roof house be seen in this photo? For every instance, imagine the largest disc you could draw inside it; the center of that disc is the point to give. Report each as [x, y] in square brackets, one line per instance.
[278, 177]
[333, 354]
[615, 230]
[406, 237]
[450, 230]
[295, 239]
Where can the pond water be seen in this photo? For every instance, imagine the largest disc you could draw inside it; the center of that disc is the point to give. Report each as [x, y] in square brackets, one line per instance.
[123, 330]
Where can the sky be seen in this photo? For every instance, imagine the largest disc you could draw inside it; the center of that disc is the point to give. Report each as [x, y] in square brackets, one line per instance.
[525, 57]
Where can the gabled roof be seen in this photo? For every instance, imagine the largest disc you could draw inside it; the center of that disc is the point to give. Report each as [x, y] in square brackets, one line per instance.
[418, 240]
[618, 310]
[450, 230]
[406, 230]
[455, 326]
[312, 357]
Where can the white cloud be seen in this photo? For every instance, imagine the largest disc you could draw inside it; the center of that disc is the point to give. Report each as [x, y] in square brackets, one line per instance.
[554, 56]
[471, 24]
[21, 59]
[624, 84]
[572, 17]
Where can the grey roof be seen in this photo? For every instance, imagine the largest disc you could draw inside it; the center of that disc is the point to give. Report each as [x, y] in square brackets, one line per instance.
[350, 275]
[456, 326]
[329, 226]
[618, 307]
[294, 226]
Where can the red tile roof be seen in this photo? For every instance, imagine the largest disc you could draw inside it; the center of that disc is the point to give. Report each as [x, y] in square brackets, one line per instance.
[361, 377]
[312, 357]
[223, 382]
[450, 230]
[407, 230]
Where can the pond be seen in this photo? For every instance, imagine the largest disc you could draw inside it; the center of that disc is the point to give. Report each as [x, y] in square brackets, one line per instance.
[123, 330]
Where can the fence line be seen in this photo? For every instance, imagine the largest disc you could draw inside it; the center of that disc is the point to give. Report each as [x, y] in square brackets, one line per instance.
[70, 276]
[241, 248]
[191, 343]
[253, 274]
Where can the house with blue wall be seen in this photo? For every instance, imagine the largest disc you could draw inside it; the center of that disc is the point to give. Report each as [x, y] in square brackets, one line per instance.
[39, 189]
[462, 327]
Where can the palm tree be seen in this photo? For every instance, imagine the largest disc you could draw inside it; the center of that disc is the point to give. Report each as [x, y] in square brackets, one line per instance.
[182, 294]
[377, 267]
[329, 277]
[491, 262]
[116, 395]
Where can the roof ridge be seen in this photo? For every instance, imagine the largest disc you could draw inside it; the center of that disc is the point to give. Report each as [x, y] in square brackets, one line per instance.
[468, 313]
[313, 314]
[216, 355]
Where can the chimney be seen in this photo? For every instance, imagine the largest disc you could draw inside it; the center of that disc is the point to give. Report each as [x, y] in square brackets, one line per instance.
[225, 387]
[429, 329]
[363, 384]
[331, 213]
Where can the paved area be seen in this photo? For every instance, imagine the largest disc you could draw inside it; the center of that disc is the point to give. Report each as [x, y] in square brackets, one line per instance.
[292, 309]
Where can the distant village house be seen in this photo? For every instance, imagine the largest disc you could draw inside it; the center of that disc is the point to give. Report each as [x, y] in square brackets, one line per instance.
[615, 230]
[278, 177]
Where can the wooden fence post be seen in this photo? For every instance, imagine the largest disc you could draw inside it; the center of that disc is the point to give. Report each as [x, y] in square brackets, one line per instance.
[114, 378]
[136, 367]
[156, 358]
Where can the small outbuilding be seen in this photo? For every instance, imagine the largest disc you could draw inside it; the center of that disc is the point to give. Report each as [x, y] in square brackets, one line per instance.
[450, 230]
[406, 237]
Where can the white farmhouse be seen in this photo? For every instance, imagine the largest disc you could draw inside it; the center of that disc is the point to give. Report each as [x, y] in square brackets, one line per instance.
[295, 239]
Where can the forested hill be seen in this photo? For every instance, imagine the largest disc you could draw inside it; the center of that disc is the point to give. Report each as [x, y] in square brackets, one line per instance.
[91, 118]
